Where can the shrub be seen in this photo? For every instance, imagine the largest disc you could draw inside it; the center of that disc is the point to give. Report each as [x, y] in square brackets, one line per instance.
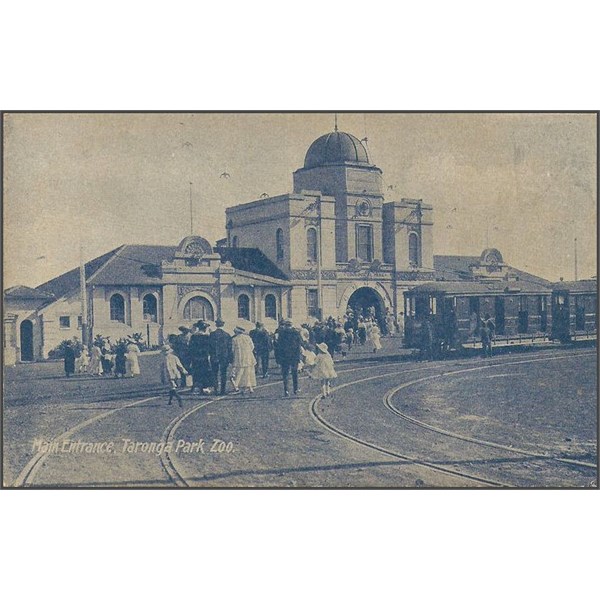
[59, 351]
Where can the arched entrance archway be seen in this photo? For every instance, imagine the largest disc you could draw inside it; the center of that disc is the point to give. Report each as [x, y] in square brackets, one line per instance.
[26, 330]
[365, 302]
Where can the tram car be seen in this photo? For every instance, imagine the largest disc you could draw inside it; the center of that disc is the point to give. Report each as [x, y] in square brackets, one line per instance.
[520, 312]
[575, 310]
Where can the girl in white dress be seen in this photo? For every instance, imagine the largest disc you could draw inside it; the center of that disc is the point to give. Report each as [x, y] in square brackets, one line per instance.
[244, 375]
[324, 369]
[374, 335]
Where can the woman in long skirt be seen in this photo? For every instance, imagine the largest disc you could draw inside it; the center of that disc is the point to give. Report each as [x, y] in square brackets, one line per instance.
[244, 375]
[374, 335]
[133, 364]
[199, 350]
[95, 366]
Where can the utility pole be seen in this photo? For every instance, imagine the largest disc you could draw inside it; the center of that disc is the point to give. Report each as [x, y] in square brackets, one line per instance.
[575, 256]
[319, 280]
[83, 292]
[191, 212]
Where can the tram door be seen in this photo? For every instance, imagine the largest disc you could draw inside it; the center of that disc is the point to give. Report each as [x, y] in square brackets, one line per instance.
[560, 316]
[500, 319]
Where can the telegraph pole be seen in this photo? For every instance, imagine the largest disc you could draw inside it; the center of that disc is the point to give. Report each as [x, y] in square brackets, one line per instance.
[191, 212]
[575, 256]
[83, 292]
[319, 280]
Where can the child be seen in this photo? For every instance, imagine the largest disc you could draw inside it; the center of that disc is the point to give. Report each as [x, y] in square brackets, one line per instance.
[308, 359]
[171, 371]
[324, 369]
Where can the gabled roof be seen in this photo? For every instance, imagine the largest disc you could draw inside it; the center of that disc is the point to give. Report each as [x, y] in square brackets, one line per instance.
[456, 268]
[68, 282]
[134, 265]
[140, 265]
[251, 260]
[22, 292]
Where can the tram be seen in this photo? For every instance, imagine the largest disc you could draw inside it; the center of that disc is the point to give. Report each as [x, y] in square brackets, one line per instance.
[575, 310]
[519, 310]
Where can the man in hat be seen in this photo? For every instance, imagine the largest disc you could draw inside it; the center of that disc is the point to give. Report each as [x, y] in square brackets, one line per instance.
[200, 358]
[288, 354]
[221, 354]
[262, 346]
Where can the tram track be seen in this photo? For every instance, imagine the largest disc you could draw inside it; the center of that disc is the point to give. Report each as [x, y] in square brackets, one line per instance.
[387, 451]
[170, 465]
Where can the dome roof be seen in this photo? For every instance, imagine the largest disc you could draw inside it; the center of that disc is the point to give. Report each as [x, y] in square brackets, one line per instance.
[335, 148]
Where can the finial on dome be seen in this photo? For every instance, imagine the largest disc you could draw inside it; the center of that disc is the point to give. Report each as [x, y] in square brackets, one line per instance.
[335, 127]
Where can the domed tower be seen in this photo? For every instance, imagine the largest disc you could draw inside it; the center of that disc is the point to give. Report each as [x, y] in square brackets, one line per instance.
[337, 164]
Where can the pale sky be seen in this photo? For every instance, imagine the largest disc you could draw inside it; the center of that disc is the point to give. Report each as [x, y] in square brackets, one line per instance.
[525, 181]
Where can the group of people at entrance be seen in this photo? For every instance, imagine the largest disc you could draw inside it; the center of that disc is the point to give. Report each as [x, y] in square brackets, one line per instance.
[200, 359]
[120, 360]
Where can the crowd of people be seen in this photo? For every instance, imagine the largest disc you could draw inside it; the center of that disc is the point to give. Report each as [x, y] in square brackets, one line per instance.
[208, 360]
[104, 359]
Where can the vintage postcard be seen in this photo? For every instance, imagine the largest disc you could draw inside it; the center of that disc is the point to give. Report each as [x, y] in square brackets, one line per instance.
[299, 300]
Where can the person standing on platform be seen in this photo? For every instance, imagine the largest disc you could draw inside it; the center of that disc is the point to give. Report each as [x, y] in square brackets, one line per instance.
[69, 358]
[374, 336]
[200, 358]
[262, 347]
[221, 355]
[132, 356]
[244, 361]
[288, 355]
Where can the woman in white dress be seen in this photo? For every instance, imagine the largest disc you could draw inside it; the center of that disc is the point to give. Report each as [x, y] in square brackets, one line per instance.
[95, 366]
[132, 364]
[374, 335]
[244, 375]
[82, 363]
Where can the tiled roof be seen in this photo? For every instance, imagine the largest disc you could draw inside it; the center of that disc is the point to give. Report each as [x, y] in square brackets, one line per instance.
[135, 265]
[140, 265]
[252, 260]
[22, 292]
[456, 268]
[68, 282]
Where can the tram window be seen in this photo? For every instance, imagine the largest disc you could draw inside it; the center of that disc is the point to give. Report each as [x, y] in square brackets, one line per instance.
[543, 312]
[433, 305]
[474, 306]
[523, 323]
[579, 314]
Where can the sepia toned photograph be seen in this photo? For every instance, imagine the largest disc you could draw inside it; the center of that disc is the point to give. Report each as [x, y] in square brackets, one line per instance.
[311, 300]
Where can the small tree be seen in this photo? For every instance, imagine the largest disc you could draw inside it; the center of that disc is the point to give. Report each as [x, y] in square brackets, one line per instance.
[59, 351]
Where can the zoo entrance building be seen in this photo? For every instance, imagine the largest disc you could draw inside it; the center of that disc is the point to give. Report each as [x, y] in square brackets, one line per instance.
[333, 243]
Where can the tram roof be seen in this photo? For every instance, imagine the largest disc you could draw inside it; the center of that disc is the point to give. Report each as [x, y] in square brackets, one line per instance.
[582, 286]
[479, 288]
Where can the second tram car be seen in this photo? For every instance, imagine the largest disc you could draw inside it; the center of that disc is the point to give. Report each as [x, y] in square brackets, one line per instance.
[575, 310]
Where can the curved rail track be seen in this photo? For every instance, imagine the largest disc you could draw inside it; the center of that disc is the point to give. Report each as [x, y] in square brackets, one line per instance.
[173, 470]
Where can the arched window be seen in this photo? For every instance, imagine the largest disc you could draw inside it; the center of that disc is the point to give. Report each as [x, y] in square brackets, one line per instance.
[270, 307]
[279, 243]
[198, 308]
[414, 258]
[150, 308]
[117, 308]
[311, 244]
[244, 307]
[234, 241]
